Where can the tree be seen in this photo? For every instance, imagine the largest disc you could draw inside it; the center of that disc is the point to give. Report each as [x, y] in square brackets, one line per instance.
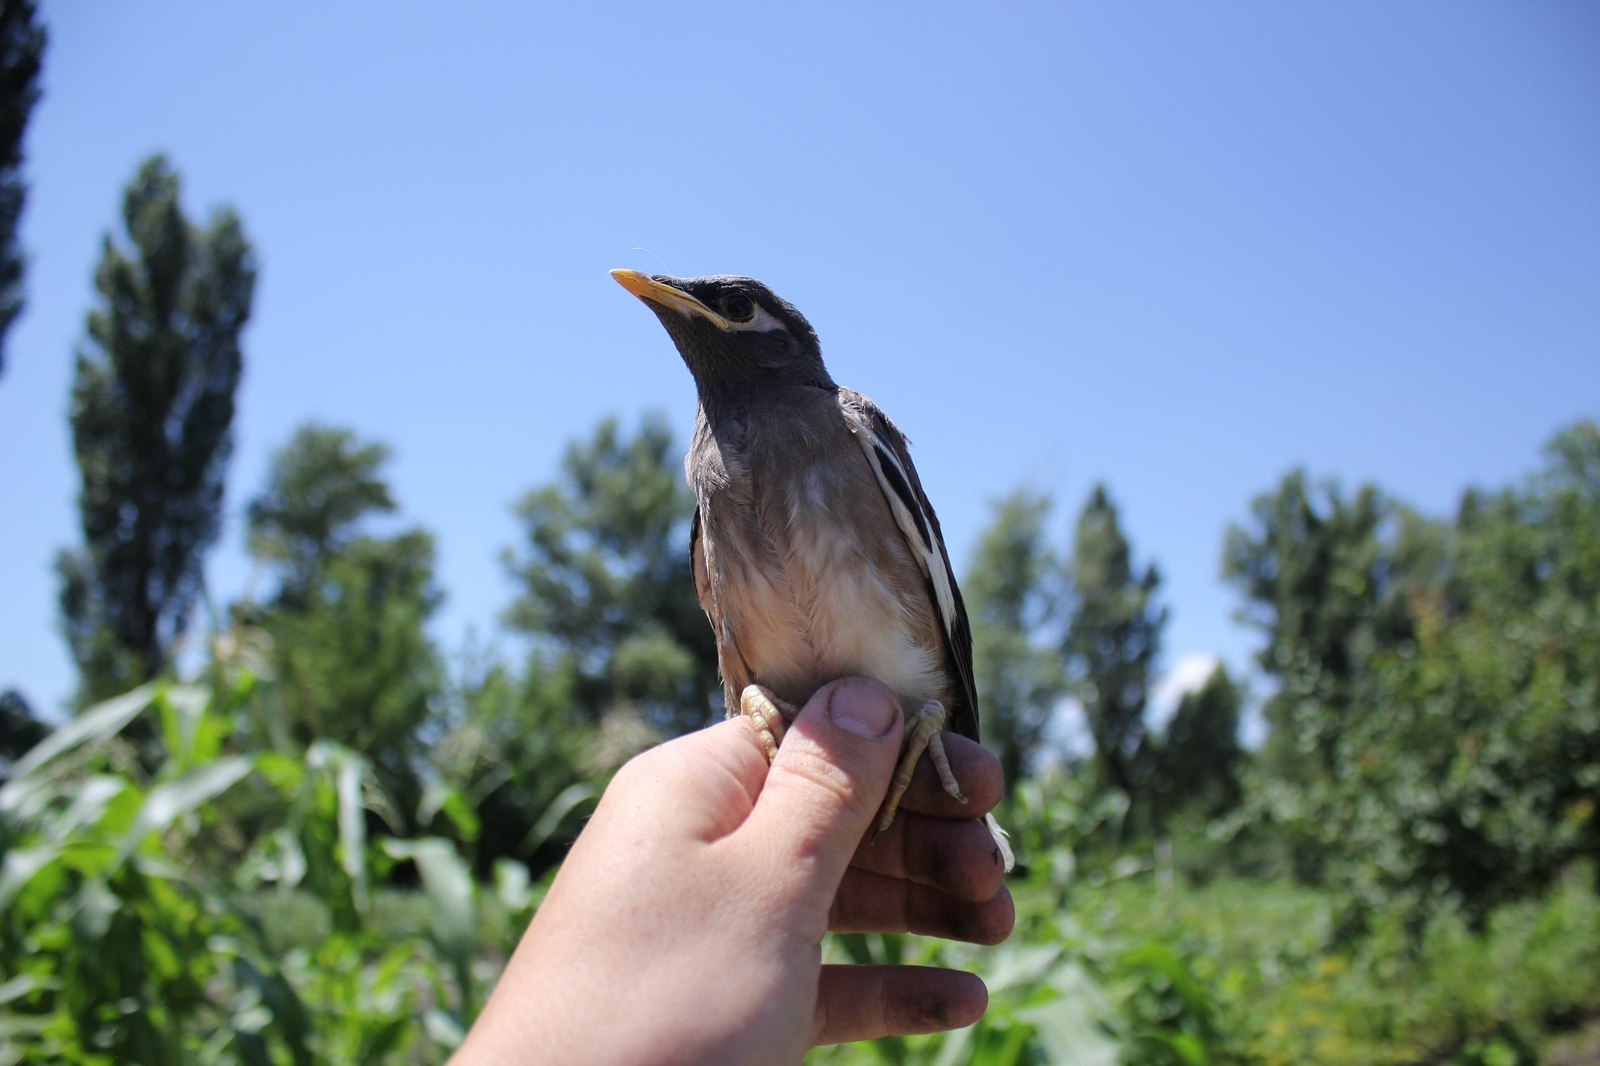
[22, 42]
[1112, 641]
[1436, 732]
[607, 594]
[152, 422]
[348, 619]
[320, 488]
[1198, 758]
[20, 730]
[1477, 778]
[1319, 572]
[1320, 575]
[1010, 595]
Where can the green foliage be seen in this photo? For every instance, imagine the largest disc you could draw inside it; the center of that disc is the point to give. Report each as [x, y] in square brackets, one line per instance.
[120, 946]
[152, 424]
[115, 951]
[1436, 734]
[524, 760]
[322, 486]
[22, 41]
[356, 663]
[1011, 596]
[1320, 576]
[1198, 759]
[1122, 969]
[605, 587]
[222, 891]
[1444, 994]
[19, 729]
[1112, 642]
[1486, 766]
[348, 618]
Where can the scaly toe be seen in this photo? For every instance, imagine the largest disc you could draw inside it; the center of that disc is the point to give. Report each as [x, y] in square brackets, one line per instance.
[767, 713]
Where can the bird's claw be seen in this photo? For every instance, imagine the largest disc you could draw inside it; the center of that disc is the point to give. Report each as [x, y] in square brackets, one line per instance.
[768, 714]
[923, 735]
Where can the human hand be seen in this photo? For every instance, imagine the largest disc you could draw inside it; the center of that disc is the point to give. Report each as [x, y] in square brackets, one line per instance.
[686, 924]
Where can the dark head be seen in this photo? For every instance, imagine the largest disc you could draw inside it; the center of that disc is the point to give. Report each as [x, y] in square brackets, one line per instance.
[737, 336]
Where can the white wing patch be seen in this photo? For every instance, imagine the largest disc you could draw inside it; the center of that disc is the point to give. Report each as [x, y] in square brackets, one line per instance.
[915, 525]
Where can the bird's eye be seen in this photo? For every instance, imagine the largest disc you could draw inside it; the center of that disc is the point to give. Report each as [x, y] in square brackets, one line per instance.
[739, 307]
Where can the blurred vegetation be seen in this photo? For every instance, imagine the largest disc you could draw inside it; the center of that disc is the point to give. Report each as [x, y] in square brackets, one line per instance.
[152, 429]
[22, 44]
[321, 842]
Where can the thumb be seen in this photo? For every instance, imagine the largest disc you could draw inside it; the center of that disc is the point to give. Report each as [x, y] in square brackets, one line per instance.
[827, 783]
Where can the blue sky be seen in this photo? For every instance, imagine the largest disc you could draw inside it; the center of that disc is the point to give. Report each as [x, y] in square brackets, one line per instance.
[1181, 248]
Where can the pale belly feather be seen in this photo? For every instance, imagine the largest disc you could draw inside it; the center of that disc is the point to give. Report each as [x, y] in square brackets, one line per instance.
[811, 606]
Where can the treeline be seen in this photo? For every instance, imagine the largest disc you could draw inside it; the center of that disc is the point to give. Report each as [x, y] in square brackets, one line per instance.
[1429, 688]
[1432, 686]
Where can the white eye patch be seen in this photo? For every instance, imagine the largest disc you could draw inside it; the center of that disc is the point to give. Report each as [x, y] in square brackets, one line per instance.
[763, 322]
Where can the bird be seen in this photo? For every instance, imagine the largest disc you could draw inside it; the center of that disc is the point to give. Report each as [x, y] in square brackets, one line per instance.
[815, 552]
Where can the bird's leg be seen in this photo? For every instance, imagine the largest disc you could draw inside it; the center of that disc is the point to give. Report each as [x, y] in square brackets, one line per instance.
[922, 734]
[767, 713]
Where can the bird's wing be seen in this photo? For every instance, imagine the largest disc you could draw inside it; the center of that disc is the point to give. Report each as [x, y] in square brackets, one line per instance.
[731, 666]
[697, 565]
[885, 449]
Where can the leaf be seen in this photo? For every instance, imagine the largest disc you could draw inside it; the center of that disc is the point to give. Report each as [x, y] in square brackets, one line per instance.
[565, 802]
[20, 866]
[20, 987]
[192, 734]
[1186, 1046]
[1072, 1025]
[184, 796]
[98, 722]
[956, 1047]
[1017, 964]
[443, 1029]
[1158, 957]
[285, 772]
[446, 799]
[279, 996]
[352, 826]
[448, 883]
[512, 886]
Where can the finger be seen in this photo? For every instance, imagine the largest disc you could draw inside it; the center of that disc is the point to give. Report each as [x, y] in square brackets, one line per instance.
[974, 765]
[954, 856]
[702, 785]
[824, 787]
[871, 903]
[866, 1002]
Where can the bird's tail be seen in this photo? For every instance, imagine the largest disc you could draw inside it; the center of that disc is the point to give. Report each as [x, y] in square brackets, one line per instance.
[1002, 842]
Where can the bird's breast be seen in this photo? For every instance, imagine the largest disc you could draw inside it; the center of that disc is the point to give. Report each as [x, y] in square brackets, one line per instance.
[813, 581]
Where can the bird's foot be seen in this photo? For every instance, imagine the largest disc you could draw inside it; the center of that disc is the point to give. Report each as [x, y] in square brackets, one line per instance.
[923, 735]
[768, 714]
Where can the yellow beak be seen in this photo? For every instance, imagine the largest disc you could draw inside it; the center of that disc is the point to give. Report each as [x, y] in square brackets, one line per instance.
[647, 288]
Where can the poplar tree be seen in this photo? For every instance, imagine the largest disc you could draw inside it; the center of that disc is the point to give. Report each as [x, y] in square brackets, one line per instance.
[1113, 639]
[152, 427]
[1011, 592]
[22, 42]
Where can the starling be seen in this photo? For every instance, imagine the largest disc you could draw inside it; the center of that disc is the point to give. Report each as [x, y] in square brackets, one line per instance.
[816, 554]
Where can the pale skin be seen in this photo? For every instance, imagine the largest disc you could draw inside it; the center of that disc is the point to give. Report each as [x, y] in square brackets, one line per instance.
[686, 923]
